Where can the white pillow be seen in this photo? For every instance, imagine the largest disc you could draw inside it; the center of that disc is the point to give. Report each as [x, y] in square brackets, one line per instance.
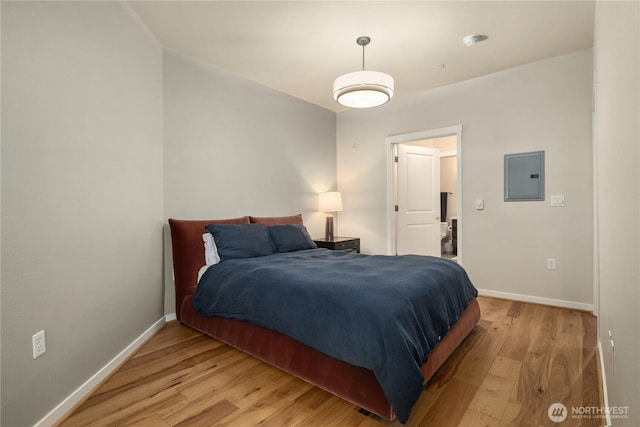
[211, 256]
[201, 272]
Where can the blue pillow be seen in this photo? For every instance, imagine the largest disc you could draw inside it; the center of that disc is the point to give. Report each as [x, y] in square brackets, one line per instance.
[241, 240]
[291, 237]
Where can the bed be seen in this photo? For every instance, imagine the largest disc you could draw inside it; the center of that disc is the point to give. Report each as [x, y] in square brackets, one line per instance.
[366, 387]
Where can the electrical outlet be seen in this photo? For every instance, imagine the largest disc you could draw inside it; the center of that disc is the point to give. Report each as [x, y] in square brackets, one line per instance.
[551, 263]
[39, 346]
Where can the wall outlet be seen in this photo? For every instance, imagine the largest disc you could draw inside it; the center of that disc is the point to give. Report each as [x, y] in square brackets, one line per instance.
[551, 263]
[39, 346]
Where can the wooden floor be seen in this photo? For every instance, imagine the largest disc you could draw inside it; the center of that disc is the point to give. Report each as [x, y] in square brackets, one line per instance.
[517, 361]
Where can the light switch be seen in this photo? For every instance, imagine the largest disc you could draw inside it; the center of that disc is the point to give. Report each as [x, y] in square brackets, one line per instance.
[479, 204]
[557, 201]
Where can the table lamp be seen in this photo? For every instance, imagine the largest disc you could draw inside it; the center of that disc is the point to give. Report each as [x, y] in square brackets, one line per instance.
[329, 202]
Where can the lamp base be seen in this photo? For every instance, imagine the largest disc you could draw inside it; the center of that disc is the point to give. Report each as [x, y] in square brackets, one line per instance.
[328, 228]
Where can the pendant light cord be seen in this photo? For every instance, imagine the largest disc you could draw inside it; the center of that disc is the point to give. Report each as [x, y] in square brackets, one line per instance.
[363, 41]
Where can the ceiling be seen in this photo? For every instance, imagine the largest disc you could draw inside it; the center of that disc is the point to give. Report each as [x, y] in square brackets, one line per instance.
[300, 47]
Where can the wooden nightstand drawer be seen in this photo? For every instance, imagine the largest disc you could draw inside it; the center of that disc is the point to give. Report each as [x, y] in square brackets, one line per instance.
[351, 244]
[347, 244]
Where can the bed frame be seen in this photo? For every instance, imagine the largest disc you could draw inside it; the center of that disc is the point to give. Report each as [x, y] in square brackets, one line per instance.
[352, 383]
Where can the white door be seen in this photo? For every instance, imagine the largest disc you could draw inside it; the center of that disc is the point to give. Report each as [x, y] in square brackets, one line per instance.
[418, 201]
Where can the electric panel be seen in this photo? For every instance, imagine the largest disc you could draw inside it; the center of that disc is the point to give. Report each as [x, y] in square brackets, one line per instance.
[524, 177]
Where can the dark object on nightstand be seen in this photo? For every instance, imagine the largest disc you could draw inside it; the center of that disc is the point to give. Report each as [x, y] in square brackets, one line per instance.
[347, 244]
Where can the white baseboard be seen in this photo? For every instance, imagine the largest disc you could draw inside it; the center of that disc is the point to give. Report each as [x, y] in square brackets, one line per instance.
[169, 317]
[537, 300]
[605, 395]
[81, 392]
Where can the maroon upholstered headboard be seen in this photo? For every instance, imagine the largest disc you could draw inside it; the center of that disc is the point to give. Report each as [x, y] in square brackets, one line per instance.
[187, 248]
[188, 252]
[276, 220]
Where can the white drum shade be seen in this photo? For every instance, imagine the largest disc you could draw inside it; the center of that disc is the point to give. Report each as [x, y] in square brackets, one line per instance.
[363, 89]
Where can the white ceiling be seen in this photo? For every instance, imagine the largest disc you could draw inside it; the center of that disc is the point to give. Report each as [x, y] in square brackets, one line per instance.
[300, 47]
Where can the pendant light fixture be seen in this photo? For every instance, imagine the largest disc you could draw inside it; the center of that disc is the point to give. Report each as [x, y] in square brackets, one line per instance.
[363, 89]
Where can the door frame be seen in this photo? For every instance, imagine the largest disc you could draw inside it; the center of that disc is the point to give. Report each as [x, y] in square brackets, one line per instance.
[403, 138]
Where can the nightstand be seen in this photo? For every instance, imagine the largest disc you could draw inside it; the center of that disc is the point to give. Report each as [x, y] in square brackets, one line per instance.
[347, 244]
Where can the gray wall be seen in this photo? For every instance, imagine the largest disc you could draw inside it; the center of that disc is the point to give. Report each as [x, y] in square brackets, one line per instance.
[233, 148]
[88, 182]
[617, 149]
[0, 232]
[82, 195]
[541, 106]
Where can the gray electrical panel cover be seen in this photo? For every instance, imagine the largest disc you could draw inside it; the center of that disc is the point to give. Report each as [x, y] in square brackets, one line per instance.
[524, 177]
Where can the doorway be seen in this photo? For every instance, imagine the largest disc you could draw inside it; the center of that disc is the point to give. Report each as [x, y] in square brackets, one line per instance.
[422, 229]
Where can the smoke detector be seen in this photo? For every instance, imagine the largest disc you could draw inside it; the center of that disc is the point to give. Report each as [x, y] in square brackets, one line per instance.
[472, 39]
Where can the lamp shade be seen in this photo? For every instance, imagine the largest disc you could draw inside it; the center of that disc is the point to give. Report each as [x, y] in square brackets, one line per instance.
[330, 201]
[363, 89]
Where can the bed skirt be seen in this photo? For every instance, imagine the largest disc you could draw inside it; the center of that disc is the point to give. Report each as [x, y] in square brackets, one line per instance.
[355, 384]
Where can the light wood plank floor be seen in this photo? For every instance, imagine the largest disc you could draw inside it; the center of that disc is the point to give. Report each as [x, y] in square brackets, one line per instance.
[518, 360]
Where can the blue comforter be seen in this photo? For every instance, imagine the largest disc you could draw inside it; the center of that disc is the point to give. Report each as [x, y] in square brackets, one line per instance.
[384, 313]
